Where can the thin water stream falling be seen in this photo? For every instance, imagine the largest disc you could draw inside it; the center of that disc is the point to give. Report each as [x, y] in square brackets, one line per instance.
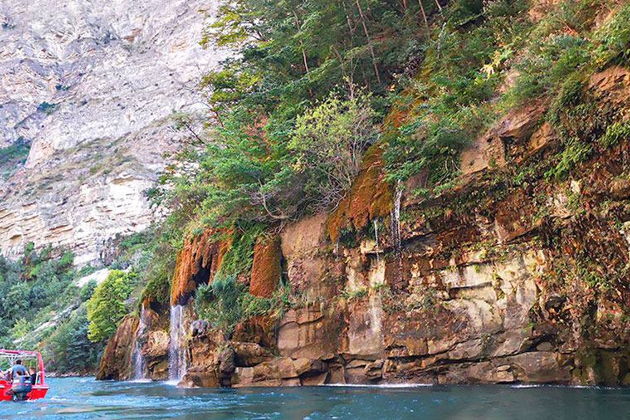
[176, 354]
[395, 226]
[377, 248]
[139, 363]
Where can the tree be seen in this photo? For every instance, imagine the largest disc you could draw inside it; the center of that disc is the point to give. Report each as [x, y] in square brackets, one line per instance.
[328, 144]
[68, 349]
[107, 306]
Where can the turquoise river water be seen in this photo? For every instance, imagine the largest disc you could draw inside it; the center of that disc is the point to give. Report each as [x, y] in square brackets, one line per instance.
[85, 398]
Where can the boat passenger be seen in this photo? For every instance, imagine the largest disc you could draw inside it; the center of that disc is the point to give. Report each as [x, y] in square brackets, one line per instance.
[33, 373]
[18, 369]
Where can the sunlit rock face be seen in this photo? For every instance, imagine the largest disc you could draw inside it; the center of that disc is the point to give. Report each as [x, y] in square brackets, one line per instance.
[93, 86]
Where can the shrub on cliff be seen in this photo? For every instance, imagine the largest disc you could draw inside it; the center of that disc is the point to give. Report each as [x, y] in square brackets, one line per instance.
[226, 302]
[107, 305]
[328, 144]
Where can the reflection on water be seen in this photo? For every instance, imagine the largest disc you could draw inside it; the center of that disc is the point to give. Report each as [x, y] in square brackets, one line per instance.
[85, 398]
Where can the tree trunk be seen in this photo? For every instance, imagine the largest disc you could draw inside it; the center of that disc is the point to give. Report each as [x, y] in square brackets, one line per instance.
[424, 15]
[369, 42]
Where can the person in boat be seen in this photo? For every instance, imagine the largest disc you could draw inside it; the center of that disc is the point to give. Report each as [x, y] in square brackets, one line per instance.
[33, 374]
[18, 369]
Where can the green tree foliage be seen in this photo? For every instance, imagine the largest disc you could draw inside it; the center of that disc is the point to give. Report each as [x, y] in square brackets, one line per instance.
[225, 302]
[249, 177]
[450, 101]
[36, 289]
[107, 305]
[292, 52]
[32, 288]
[313, 83]
[68, 349]
[328, 144]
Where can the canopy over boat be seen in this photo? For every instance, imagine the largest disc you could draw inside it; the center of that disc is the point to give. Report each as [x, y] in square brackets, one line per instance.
[27, 387]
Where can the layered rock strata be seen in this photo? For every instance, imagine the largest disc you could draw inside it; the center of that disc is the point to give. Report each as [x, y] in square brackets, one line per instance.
[495, 281]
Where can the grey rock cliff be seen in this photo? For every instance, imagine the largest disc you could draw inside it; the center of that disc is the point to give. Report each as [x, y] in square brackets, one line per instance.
[93, 86]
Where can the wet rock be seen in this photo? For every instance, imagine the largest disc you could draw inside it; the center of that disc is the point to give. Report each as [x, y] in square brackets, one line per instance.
[484, 372]
[196, 378]
[227, 364]
[250, 354]
[199, 327]
[539, 367]
[305, 332]
[365, 338]
[156, 344]
[315, 380]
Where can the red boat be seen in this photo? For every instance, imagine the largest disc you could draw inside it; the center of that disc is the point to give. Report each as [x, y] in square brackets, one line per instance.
[22, 387]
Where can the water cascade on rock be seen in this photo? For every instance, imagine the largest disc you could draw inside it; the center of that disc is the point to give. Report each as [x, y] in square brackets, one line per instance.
[139, 364]
[395, 226]
[376, 239]
[176, 354]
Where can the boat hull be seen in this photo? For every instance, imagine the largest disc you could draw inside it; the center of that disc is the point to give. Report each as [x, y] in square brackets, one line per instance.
[38, 391]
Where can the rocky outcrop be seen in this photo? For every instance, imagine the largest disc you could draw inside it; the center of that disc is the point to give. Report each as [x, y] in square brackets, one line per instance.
[116, 362]
[93, 88]
[196, 263]
[509, 277]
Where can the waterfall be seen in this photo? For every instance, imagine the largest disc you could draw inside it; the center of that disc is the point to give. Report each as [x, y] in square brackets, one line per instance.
[139, 364]
[377, 250]
[395, 216]
[395, 223]
[176, 354]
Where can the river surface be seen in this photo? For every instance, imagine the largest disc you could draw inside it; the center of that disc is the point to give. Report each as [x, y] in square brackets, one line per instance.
[85, 398]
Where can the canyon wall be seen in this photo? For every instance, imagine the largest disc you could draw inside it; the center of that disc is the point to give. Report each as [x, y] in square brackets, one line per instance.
[499, 280]
[93, 87]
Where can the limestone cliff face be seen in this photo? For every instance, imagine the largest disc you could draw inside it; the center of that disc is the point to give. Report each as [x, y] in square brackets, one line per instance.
[495, 281]
[92, 86]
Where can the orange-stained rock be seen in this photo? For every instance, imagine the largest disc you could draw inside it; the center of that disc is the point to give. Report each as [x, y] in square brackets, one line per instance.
[370, 196]
[266, 268]
[116, 362]
[196, 263]
[612, 86]
[540, 139]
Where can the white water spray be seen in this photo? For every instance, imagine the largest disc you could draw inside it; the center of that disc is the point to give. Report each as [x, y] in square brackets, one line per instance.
[176, 354]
